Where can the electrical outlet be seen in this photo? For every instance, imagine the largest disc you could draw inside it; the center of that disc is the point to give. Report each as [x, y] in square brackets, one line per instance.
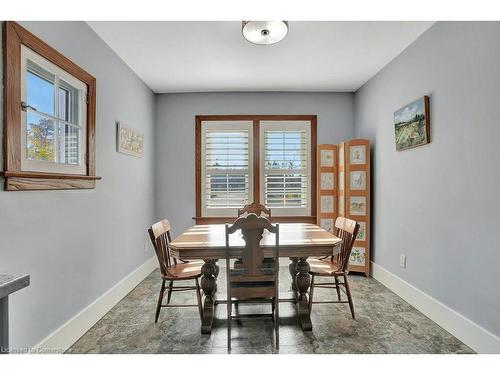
[402, 260]
[146, 246]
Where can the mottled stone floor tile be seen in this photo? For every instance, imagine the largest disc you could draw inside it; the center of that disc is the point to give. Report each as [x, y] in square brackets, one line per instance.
[384, 324]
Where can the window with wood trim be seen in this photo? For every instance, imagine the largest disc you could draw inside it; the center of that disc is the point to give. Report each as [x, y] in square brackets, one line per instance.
[263, 159]
[226, 170]
[49, 126]
[285, 167]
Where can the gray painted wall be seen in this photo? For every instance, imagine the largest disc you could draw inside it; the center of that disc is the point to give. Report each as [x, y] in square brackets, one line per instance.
[78, 244]
[175, 116]
[439, 203]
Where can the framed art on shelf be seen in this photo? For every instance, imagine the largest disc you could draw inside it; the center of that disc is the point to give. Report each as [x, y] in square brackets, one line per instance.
[327, 181]
[357, 154]
[358, 180]
[362, 231]
[327, 204]
[343, 183]
[358, 256]
[326, 224]
[327, 158]
[326, 187]
[357, 206]
[354, 198]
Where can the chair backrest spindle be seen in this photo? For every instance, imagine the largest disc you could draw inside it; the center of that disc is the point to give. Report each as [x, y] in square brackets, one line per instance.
[252, 229]
[346, 230]
[159, 234]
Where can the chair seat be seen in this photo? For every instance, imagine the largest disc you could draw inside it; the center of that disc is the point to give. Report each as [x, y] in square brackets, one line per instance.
[195, 262]
[180, 271]
[324, 268]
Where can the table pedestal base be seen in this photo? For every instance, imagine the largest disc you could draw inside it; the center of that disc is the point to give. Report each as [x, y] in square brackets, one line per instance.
[210, 272]
[301, 281]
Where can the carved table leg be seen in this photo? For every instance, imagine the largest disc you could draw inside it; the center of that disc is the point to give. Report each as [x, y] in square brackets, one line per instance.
[299, 269]
[4, 325]
[210, 272]
[292, 268]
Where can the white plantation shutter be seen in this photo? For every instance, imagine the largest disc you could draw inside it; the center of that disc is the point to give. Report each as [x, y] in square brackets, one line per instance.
[285, 167]
[226, 167]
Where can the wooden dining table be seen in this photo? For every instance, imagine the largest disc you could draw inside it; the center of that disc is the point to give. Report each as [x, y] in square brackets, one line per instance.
[297, 242]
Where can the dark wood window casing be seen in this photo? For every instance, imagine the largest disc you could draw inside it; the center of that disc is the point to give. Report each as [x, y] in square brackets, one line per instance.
[256, 163]
[14, 36]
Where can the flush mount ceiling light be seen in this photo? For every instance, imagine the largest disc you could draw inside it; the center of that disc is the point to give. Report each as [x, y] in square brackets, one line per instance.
[264, 32]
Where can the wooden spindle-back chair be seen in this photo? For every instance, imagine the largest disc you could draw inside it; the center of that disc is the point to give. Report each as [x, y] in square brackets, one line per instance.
[251, 279]
[172, 269]
[337, 265]
[255, 208]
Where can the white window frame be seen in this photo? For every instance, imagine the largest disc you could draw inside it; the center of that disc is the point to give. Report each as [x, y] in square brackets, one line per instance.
[50, 166]
[285, 125]
[224, 126]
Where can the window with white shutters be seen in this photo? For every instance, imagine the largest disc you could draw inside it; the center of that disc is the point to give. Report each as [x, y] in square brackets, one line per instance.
[226, 166]
[267, 159]
[285, 168]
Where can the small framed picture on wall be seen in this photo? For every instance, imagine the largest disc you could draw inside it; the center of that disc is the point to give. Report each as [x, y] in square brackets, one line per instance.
[129, 141]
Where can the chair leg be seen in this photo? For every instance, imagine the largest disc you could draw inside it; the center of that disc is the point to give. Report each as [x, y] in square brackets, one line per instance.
[169, 295]
[349, 297]
[311, 293]
[198, 298]
[337, 287]
[160, 299]
[229, 312]
[276, 321]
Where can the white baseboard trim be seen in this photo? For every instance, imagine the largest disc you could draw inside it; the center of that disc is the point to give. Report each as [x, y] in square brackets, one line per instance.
[67, 334]
[470, 333]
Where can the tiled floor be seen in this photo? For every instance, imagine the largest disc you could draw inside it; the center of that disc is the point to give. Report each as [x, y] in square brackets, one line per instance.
[384, 324]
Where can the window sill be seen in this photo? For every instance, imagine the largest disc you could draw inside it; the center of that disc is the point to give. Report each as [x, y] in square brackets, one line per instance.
[274, 219]
[18, 181]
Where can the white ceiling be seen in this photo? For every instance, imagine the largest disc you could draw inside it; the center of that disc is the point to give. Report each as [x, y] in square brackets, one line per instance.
[214, 56]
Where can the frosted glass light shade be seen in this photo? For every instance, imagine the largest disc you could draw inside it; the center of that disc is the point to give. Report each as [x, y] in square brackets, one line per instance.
[264, 32]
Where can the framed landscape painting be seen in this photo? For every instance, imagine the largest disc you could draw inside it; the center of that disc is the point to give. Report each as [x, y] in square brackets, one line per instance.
[412, 124]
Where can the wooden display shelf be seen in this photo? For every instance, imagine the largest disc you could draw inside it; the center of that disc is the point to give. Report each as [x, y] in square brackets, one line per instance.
[351, 194]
